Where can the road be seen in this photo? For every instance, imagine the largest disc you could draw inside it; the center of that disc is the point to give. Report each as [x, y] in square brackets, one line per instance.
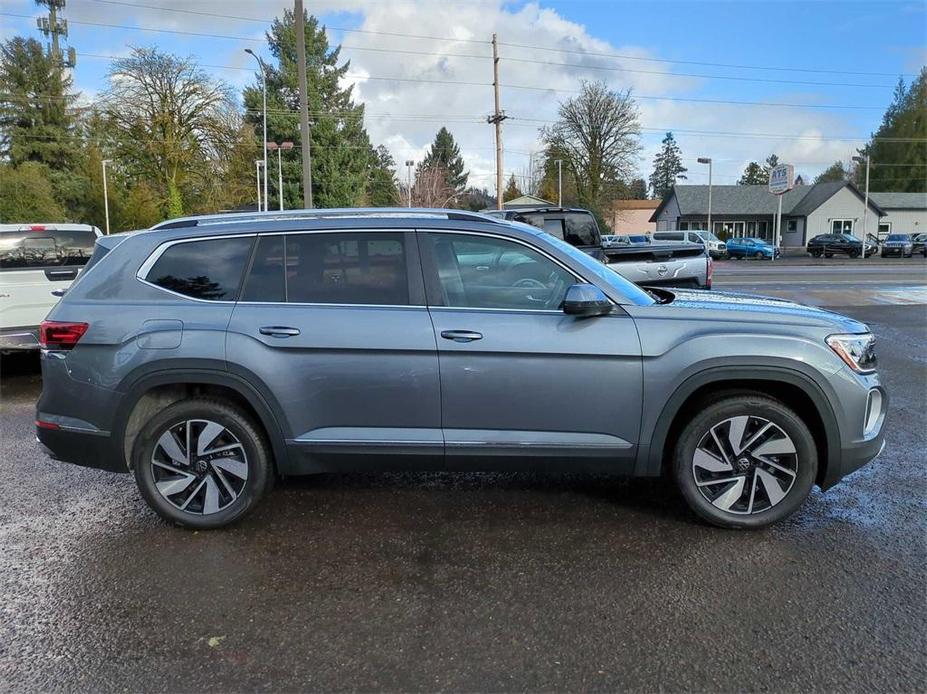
[469, 582]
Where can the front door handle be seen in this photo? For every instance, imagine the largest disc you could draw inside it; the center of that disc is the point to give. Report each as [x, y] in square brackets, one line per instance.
[279, 331]
[461, 335]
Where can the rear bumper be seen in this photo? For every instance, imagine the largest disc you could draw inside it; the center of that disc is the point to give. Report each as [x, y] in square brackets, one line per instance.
[84, 448]
[26, 338]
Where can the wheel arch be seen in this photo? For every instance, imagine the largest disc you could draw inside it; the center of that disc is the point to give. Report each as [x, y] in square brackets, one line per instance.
[794, 388]
[152, 391]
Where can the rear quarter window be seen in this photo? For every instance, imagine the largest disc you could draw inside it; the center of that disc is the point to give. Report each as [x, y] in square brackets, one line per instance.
[24, 250]
[210, 269]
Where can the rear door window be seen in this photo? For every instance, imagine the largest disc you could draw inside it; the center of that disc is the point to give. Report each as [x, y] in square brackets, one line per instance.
[209, 269]
[45, 249]
[330, 268]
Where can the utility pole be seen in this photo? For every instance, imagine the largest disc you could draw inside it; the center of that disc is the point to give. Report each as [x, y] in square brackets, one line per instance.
[560, 183]
[409, 165]
[496, 119]
[257, 173]
[105, 195]
[303, 104]
[867, 160]
[707, 160]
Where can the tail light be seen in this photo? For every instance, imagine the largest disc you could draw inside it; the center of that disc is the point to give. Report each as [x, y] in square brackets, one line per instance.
[61, 335]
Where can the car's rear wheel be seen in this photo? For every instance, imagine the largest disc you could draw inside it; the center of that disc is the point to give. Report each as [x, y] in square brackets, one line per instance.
[745, 461]
[758, 255]
[202, 463]
[854, 254]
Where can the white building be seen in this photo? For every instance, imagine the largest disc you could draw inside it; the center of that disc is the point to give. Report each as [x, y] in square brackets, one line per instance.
[807, 211]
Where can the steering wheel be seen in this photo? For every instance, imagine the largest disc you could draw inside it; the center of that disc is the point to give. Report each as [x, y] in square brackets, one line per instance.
[530, 282]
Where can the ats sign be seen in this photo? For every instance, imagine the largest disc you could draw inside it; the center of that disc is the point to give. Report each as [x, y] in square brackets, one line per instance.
[781, 179]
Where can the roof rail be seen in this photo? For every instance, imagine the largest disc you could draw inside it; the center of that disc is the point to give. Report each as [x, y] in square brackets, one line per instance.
[342, 213]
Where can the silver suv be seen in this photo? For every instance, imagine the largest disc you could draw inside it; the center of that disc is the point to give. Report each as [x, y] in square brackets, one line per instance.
[210, 356]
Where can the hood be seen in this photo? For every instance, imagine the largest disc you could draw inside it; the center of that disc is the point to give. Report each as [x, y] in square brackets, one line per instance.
[765, 309]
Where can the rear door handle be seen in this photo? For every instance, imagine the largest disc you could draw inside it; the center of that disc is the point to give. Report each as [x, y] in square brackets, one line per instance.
[461, 335]
[59, 292]
[279, 331]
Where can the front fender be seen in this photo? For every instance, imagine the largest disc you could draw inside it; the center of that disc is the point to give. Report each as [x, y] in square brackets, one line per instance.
[718, 372]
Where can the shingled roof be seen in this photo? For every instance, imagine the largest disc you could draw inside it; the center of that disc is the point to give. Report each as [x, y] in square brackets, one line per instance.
[900, 201]
[753, 200]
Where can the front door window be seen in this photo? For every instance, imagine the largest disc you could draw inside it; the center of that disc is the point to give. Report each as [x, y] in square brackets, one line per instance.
[487, 272]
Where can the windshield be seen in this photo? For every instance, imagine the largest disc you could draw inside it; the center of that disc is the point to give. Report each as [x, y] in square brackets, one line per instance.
[756, 240]
[629, 290]
[898, 237]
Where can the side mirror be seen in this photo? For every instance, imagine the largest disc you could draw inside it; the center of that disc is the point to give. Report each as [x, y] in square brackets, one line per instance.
[586, 300]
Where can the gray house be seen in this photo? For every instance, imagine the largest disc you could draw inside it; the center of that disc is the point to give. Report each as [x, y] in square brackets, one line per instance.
[807, 211]
[905, 213]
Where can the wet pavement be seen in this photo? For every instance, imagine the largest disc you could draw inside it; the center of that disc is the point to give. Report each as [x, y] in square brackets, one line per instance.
[468, 582]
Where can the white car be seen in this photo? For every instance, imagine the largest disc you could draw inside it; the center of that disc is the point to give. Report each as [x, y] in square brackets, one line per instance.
[716, 247]
[38, 262]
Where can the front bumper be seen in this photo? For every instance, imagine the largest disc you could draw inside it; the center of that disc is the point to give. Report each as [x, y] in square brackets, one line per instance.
[26, 338]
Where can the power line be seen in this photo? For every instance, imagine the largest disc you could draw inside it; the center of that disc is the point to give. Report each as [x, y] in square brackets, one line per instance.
[404, 51]
[421, 80]
[453, 39]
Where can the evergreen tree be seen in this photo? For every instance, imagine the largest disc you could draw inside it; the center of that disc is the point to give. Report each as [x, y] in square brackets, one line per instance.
[772, 161]
[900, 143]
[36, 121]
[637, 189]
[26, 194]
[753, 175]
[667, 168]
[835, 172]
[339, 143]
[445, 152]
[382, 190]
[511, 190]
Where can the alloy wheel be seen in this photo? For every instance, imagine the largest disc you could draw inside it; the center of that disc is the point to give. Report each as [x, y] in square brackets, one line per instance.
[745, 465]
[199, 466]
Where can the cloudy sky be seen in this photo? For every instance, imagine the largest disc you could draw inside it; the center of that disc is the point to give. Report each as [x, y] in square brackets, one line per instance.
[733, 80]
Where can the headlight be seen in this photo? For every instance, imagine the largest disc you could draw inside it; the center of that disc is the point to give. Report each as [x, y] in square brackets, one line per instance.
[857, 351]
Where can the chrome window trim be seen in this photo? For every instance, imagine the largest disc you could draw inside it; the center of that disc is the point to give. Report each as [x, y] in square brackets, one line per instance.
[156, 254]
[318, 304]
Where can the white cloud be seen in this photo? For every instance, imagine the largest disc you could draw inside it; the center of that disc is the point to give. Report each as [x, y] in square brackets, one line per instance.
[404, 115]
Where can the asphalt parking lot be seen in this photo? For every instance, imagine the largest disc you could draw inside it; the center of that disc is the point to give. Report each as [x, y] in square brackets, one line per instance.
[496, 582]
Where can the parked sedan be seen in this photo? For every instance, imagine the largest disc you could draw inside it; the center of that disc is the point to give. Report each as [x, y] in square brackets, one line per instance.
[829, 244]
[898, 244]
[751, 248]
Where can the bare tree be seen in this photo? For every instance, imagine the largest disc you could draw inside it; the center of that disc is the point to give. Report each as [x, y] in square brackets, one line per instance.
[431, 188]
[168, 115]
[597, 135]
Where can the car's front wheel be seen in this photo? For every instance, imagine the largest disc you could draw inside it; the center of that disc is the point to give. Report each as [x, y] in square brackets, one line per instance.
[745, 461]
[202, 463]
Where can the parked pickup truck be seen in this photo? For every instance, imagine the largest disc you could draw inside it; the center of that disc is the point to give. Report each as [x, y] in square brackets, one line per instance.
[681, 264]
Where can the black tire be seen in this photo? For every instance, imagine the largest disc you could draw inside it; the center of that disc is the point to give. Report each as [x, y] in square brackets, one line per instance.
[758, 255]
[815, 253]
[718, 413]
[250, 436]
[854, 254]
[883, 254]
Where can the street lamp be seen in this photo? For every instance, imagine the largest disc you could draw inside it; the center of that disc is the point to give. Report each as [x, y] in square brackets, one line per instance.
[560, 183]
[105, 194]
[409, 165]
[257, 171]
[707, 160]
[264, 82]
[860, 160]
[279, 147]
